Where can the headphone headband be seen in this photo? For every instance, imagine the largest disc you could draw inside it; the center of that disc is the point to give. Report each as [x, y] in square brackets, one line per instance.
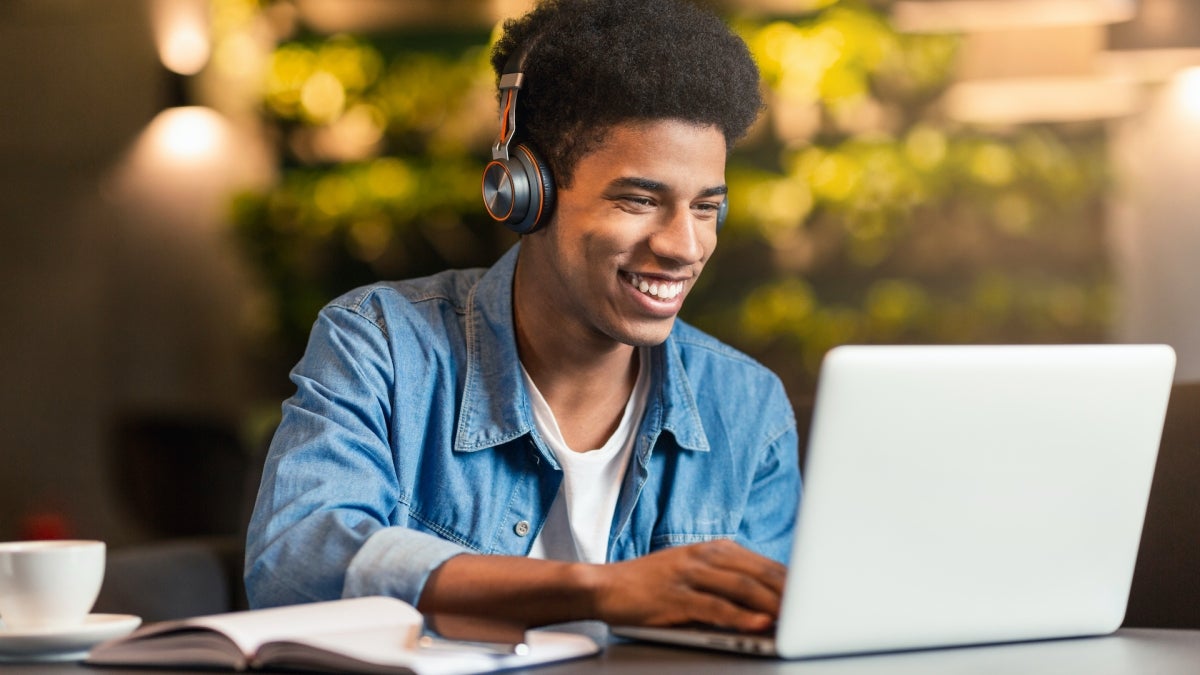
[511, 81]
[518, 189]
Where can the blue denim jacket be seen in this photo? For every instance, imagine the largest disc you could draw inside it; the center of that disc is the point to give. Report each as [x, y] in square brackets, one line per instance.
[410, 439]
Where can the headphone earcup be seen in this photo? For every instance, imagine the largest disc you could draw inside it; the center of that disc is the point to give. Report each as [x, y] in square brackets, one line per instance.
[722, 213]
[519, 192]
[546, 192]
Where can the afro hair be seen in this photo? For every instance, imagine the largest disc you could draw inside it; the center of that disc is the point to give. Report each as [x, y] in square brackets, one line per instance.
[593, 64]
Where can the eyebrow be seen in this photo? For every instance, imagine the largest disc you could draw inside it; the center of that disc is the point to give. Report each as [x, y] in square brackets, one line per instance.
[651, 185]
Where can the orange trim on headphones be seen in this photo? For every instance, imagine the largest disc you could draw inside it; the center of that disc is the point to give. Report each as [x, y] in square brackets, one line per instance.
[541, 192]
[486, 204]
[508, 99]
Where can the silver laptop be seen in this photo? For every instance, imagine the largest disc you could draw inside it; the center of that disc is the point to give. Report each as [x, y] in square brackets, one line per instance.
[966, 495]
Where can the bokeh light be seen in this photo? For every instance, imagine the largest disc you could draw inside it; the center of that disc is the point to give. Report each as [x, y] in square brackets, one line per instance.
[859, 210]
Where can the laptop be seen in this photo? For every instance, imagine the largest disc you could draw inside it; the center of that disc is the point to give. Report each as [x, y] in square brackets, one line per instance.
[960, 495]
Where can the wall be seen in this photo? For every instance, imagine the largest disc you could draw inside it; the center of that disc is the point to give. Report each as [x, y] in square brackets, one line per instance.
[1155, 221]
[106, 308]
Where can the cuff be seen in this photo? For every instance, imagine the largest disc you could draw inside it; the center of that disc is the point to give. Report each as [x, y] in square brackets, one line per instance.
[396, 562]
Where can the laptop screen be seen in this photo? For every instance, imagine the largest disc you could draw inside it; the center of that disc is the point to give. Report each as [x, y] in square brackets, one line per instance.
[972, 494]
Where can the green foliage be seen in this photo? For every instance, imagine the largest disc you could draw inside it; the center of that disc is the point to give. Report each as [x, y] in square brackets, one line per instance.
[382, 143]
[858, 214]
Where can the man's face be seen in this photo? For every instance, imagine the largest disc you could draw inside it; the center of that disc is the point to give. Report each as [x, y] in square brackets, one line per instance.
[630, 236]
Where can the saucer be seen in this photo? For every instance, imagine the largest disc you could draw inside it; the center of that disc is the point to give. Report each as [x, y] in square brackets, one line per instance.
[63, 644]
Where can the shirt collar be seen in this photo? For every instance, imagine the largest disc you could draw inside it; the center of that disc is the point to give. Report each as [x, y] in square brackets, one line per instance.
[495, 406]
[681, 414]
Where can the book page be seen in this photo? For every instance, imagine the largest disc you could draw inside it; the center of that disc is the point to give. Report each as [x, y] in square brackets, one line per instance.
[361, 635]
[251, 629]
[174, 646]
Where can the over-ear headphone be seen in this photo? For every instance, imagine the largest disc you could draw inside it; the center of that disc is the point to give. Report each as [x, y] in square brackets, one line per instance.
[518, 188]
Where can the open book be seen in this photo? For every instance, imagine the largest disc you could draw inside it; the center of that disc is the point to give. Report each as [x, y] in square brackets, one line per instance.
[359, 635]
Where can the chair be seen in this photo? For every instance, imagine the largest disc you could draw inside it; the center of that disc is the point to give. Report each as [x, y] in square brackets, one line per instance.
[186, 479]
[179, 475]
[173, 579]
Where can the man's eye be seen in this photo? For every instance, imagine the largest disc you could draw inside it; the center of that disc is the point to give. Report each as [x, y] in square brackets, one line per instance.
[636, 200]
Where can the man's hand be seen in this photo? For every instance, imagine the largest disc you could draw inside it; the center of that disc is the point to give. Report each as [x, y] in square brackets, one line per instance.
[717, 582]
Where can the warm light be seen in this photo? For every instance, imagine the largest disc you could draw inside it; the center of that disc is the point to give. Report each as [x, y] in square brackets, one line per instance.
[240, 56]
[783, 7]
[1151, 66]
[951, 16]
[505, 9]
[1060, 51]
[181, 34]
[1153, 220]
[191, 134]
[358, 16]
[1046, 99]
[185, 51]
[187, 163]
[323, 97]
[1187, 91]
[353, 136]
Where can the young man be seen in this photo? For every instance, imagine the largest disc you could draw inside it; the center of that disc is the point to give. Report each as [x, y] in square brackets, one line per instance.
[543, 440]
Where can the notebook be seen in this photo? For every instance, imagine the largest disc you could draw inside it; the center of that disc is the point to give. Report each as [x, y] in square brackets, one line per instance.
[958, 495]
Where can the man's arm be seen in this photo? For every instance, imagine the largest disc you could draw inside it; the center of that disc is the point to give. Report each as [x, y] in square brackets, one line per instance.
[717, 582]
[321, 527]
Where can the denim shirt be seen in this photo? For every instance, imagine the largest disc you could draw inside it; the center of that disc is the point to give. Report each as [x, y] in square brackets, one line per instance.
[410, 439]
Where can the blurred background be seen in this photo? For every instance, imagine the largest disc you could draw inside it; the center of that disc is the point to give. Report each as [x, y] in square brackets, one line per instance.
[184, 183]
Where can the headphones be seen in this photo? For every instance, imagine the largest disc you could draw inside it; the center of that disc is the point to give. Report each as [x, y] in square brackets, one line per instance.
[518, 188]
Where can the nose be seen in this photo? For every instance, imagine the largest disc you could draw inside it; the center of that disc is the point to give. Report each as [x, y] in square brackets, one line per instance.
[681, 237]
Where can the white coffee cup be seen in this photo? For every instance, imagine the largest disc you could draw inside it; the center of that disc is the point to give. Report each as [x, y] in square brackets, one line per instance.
[49, 584]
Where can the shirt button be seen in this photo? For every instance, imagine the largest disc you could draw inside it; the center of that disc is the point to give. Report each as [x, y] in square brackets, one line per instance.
[521, 528]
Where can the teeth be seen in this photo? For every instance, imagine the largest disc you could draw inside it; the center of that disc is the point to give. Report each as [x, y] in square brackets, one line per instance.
[660, 290]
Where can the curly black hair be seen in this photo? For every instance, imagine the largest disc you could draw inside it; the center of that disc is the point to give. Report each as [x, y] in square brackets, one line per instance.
[592, 64]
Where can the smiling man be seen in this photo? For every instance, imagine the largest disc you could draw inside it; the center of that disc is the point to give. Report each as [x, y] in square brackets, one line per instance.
[544, 440]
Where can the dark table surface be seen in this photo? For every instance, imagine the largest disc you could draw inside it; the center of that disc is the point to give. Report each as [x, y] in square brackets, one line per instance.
[1129, 651]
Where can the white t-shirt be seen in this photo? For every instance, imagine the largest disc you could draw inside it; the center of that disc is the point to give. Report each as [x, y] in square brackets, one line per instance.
[579, 521]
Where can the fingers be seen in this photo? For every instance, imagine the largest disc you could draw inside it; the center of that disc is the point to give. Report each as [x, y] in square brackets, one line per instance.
[738, 588]
[716, 582]
[725, 555]
[738, 577]
[717, 611]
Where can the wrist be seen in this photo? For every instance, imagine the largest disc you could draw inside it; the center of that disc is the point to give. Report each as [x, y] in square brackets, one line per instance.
[591, 582]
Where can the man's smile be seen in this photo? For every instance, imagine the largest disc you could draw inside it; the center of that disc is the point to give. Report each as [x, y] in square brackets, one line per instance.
[663, 289]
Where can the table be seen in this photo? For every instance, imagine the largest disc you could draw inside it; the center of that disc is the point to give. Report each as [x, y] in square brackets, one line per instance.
[1127, 652]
